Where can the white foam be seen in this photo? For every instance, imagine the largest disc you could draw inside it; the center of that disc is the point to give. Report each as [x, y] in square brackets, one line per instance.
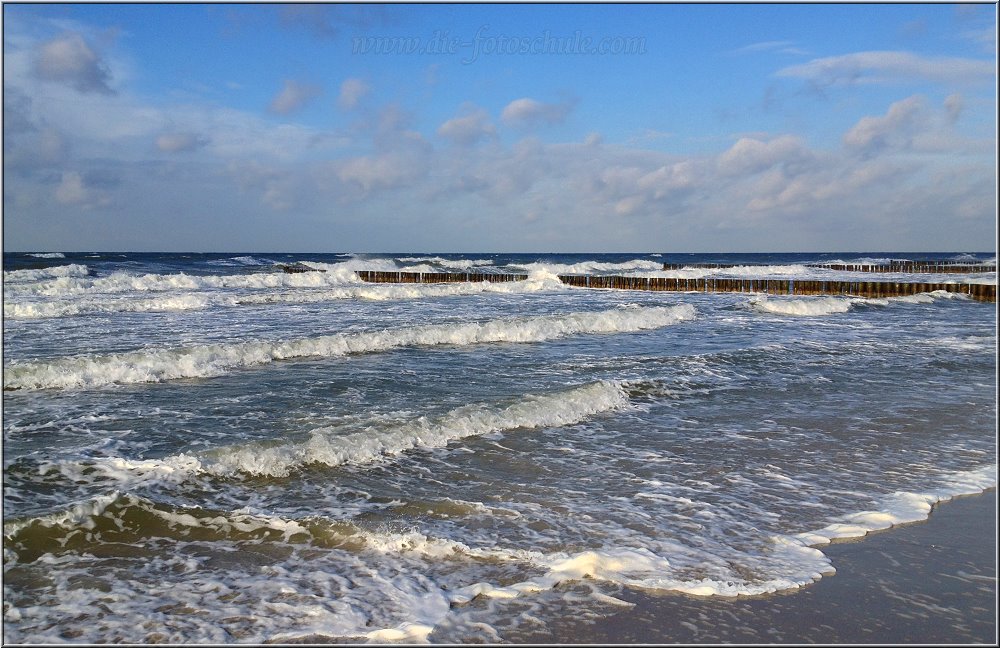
[642, 569]
[328, 446]
[292, 599]
[184, 301]
[902, 507]
[591, 267]
[155, 365]
[404, 633]
[241, 261]
[42, 274]
[871, 261]
[408, 606]
[537, 281]
[741, 272]
[127, 473]
[458, 264]
[64, 308]
[79, 514]
[744, 271]
[807, 306]
[764, 271]
[967, 343]
[972, 259]
[929, 297]
[421, 267]
[72, 280]
[48, 255]
[75, 284]
[794, 560]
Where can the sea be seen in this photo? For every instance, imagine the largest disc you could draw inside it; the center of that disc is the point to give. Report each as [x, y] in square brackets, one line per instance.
[204, 448]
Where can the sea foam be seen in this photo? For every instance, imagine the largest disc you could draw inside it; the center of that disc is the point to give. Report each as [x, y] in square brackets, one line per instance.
[328, 447]
[183, 301]
[592, 267]
[155, 365]
[902, 507]
[810, 306]
[42, 274]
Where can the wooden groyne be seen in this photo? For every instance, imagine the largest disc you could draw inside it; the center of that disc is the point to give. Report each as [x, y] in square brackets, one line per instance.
[703, 266]
[979, 292]
[914, 267]
[924, 267]
[379, 276]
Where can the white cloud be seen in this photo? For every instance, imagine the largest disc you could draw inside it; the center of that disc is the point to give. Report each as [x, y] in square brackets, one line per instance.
[352, 91]
[670, 178]
[70, 60]
[293, 96]
[73, 190]
[399, 160]
[381, 171]
[529, 113]
[180, 142]
[748, 155]
[894, 128]
[781, 46]
[765, 190]
[467, 129]
[888, 66]
[985, 38]
[953, 104]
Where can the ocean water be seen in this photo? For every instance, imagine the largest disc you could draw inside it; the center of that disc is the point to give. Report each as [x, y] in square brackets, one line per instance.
[200, 448]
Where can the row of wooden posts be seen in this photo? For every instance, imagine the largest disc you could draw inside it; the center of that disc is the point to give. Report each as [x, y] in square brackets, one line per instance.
[979, 292]
[924, 267]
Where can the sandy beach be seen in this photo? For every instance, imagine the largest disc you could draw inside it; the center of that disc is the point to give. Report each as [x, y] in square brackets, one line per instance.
[927, 582]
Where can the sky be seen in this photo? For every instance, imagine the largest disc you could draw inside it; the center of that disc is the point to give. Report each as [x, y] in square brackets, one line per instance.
[499, 128]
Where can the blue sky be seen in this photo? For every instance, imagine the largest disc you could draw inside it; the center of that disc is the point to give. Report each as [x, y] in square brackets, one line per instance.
[725, 128]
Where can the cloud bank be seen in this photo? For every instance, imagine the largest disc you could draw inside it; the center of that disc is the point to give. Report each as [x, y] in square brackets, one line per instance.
[100, 166]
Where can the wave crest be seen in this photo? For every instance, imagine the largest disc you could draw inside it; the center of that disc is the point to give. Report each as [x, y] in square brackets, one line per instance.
[326, 447]
[42, 274]
[210, 360]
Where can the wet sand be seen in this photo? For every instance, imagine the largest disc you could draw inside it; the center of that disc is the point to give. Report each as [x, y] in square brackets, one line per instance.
[927, 582]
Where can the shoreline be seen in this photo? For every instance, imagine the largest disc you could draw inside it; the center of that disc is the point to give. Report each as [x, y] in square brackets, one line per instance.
[932, 581]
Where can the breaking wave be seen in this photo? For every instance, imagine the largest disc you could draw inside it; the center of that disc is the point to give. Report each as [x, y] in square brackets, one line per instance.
[454, 264]
[86, 304]
[810, 306]
[818, 306]
[155, 365]
[76, 283]
[42, 274]
[592, 267]
[327, 447]
[792, 561]
[332, 447]
[34, 310]
[241, 261]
